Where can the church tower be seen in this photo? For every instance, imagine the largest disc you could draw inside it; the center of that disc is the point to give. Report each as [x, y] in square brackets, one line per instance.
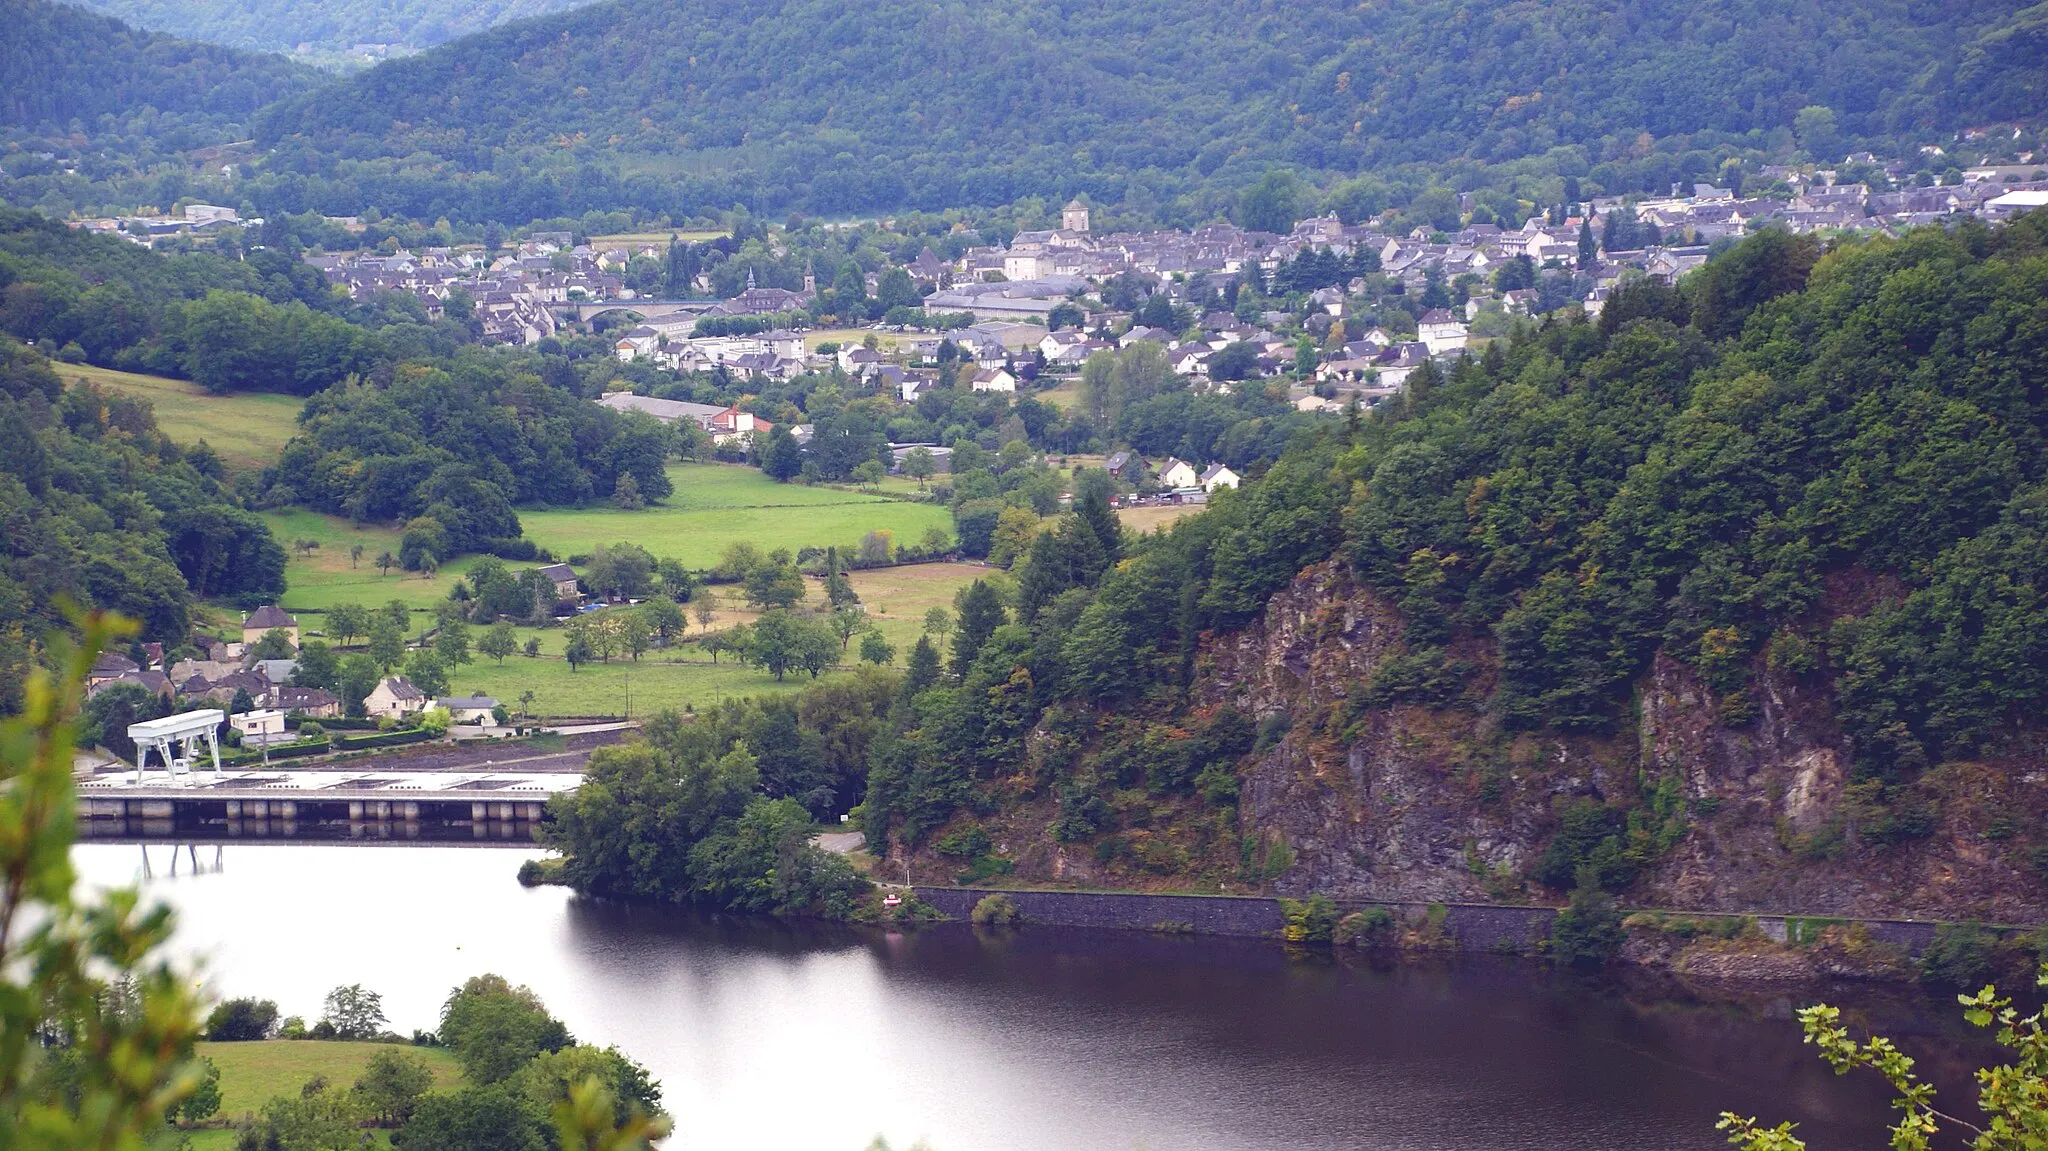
[1074, 217]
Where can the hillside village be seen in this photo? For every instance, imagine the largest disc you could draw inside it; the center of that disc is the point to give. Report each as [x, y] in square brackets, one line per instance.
[549, 283]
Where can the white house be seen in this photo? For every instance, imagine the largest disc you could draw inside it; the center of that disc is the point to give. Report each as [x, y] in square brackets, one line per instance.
[994, 380]
[1175, 473]
[854, 357]
[394, 696]
[637, 343]
[259, 727]
[476, 709]
[1441, 331]
[1218, 476]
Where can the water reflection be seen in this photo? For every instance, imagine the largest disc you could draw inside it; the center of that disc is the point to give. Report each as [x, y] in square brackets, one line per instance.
[784, 1036]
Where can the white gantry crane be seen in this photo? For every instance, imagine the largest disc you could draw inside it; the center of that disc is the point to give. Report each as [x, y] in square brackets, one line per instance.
[180, 730]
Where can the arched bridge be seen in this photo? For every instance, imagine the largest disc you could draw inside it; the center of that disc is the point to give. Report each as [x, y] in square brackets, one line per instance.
[645, 309]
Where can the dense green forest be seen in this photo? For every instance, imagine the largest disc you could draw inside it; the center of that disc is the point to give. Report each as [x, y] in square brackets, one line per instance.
[325, 26]
[1828, 464]
[450, 446]
[266, 322]
[925, 103]
[64, 69]
[103, 511]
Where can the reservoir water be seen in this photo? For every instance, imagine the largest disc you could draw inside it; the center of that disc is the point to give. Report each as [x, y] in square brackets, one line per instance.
[809, 1038]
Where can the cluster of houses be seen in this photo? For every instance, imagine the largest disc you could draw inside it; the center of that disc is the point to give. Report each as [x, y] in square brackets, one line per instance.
[513, 295]
[1169, 481]
[524, 294]
[225, 671]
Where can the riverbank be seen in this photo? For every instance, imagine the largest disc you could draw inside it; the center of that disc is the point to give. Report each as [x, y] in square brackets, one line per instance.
[1765, 947]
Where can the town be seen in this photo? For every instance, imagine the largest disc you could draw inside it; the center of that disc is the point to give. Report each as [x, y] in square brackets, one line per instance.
[1346, 311]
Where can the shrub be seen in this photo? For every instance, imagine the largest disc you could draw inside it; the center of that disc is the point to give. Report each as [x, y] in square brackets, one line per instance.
[985, 867]
[964, 842]
[1311, 920]
[1961, 956]
[996, 911]
[1587, 933]
[540, 872]
[1373, 927]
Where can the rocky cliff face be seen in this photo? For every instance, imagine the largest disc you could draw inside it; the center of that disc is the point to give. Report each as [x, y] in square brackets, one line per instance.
[1423, 803]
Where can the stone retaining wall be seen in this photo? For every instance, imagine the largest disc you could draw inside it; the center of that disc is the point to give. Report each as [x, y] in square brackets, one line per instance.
[1473, 927]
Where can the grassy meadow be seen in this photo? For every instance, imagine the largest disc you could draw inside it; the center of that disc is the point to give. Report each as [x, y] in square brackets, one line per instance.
[1066, 396]
[885, 341]
[248, 430]
[325, 575]
[1146, 520]
[683, 677]
[252, 1073]
[715, 506]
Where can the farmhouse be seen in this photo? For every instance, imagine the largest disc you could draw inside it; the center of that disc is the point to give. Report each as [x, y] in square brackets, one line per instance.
[394, 696]
[722, 424]
[267, 618]
[564, 578]
[1176, 473]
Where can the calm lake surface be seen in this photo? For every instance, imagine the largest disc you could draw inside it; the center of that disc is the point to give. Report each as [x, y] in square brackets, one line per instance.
[770, 1036]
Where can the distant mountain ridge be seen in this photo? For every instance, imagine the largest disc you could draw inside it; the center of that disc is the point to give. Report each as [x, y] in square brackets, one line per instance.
[814, 105]
[61, 64]
[325, 26]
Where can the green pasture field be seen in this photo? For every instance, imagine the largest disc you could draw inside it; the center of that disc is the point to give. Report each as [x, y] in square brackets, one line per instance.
[316, 578]
[897, 598]
[1066, 396]
[682, 677]
[676, 679]
[1145, 520]
[253, 1073]
[715, 506]
[247, 430]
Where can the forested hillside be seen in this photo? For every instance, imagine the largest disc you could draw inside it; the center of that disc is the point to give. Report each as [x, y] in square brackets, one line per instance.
[1732, 599]
[935, 104]
[64, 69]
[324, 26]
[101, 510]
[267, 322]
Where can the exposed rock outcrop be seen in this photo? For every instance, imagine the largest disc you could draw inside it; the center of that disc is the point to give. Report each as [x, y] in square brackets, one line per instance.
[1425, 803]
